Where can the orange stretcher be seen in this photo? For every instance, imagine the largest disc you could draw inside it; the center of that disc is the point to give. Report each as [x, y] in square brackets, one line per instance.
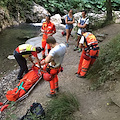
[24, 87]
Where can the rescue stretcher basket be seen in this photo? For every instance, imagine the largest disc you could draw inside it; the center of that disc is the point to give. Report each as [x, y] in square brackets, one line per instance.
[4, 105]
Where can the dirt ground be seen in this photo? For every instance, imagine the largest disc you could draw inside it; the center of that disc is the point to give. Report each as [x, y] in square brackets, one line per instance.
[93, 104]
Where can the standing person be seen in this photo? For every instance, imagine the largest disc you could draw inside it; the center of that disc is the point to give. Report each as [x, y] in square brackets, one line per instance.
[25, 51]
[48, 29]
[89, 54]
[69, 20]
[82, 24]
[54, 58]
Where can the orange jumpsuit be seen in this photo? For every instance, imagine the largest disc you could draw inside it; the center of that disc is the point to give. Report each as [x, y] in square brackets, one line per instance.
[48, 28]
[88, 56]
[54, 81]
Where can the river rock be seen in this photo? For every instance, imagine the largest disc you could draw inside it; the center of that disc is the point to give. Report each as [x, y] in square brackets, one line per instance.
[56, 19]
[37, 13]
[117, 16]
[11, 57]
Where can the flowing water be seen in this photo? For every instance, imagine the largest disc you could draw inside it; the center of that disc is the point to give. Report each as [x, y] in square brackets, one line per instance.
[10, 38]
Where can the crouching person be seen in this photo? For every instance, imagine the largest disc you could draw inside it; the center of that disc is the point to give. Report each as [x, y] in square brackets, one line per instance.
[90, 52]
[53, 64]
[25, 51]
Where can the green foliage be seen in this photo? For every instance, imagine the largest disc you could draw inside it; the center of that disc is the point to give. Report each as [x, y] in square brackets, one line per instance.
[62, 108]
[9, 115]
[57, 6]
[17, 6]
[107, 66]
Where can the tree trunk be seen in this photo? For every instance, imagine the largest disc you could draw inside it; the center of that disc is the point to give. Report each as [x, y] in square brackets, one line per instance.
[109, 10]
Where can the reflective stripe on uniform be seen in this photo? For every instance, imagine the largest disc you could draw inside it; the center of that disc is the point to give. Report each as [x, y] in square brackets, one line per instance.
[92, 42]
[89, 38]
[26, 47]
[84, 69]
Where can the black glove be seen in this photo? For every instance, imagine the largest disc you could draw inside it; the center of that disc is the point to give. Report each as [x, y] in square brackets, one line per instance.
[39, 49]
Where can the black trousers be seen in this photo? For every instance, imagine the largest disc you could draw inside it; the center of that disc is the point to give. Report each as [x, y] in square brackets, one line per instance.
[22, 63]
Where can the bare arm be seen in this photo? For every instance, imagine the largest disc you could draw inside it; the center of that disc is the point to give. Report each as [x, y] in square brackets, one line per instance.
[69, 22]
[36, 58]
[38, 61]
[81, 45]
[30, 58]
[52, 33]
[82, 26]
[47, 60]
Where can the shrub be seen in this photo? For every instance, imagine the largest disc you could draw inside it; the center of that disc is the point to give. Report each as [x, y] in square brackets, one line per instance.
[107, 66]
[62, 108]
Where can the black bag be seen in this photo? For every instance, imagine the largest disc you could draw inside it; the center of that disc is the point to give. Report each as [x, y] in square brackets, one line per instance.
[36, 112]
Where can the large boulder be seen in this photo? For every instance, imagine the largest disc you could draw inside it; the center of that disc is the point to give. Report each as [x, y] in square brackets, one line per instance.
[56, 19]
[37, 14]
[97, 17]
[117, 16]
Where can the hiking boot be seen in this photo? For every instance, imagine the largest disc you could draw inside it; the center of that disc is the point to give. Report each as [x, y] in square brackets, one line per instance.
[67, 45]
[79, 50]
[76, 73]
[50, 95]
[76, 48]
[79, 76]
[57, 89]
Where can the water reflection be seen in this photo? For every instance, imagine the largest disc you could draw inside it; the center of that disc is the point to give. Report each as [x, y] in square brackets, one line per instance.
[10, 38]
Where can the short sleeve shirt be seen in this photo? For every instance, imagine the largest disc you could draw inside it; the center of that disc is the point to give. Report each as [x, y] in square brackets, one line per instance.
[58, 53]
[82, 40]
[83, 21]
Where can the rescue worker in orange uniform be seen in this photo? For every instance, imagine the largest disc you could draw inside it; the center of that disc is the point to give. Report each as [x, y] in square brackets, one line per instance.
[54, 60]
[90, 51]
[48, 29]
[25, 51]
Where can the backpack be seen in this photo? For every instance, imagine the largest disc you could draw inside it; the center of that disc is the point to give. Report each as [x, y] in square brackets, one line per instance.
[63, 33]
[36, 112]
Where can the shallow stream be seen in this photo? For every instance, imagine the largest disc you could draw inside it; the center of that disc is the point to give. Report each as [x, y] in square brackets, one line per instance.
[10, 38]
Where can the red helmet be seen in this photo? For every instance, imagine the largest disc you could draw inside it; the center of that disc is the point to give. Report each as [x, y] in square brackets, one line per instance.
[47, 76]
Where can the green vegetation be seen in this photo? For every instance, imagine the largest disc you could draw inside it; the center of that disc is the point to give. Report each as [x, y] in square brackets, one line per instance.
[107, 66]
[62, 108]
[11, 108]
[94, 5]
[17, 7]
[57, 6]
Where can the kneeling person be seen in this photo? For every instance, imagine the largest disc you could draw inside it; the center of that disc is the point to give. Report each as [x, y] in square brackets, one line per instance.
[54, 58]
